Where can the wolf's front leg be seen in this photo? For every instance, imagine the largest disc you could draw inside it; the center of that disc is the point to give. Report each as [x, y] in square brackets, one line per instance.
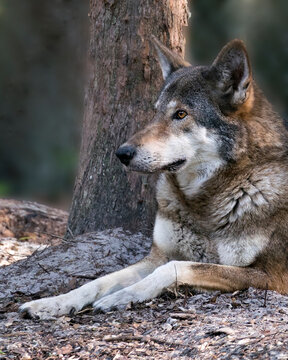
[75, 300]
[165, 276]
[175, 273]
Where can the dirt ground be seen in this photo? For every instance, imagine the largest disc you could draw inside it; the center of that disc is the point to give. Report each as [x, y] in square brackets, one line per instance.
[183, 324]
[200, 326]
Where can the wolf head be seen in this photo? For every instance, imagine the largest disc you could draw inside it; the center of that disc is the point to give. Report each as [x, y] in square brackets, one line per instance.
[196, 120]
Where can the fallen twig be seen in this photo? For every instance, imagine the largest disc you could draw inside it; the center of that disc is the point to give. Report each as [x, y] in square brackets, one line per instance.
[265, 296]
[141, 338]
[182, 315]
[43, 268]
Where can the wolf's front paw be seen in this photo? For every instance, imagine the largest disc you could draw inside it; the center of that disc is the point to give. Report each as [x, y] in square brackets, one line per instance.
[47, 308]
[115, 301]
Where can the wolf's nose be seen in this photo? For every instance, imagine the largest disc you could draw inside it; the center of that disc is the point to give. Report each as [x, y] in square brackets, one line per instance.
[125, 154]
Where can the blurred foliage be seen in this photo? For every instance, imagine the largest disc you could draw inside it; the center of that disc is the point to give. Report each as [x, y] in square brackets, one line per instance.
[4, 188]
[42, 61]
[42, 55]
[262, 24]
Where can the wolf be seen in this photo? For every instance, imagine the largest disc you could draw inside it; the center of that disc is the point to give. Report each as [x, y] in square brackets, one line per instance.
[222, 220]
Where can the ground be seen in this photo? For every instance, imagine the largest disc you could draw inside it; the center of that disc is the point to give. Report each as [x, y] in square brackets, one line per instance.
[201, 326]
[182, 324]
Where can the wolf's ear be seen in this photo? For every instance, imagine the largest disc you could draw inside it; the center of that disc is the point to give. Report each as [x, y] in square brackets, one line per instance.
[232, 73]
[168, 60]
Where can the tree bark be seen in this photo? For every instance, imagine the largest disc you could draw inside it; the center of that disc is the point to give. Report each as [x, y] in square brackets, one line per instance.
[124, 79]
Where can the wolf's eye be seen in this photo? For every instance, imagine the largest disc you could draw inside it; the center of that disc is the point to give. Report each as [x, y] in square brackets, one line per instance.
[180, 115]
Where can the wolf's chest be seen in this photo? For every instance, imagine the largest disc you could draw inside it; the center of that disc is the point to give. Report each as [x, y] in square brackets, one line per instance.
[241, 251]
[179, 241]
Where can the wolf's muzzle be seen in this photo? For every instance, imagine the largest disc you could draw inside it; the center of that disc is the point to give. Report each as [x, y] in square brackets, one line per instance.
[125, 154]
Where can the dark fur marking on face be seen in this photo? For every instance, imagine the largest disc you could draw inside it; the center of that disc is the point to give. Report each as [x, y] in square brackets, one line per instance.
[206, 114]
[192, 89]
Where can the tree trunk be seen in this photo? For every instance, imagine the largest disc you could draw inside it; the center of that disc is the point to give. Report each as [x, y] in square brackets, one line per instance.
[124, 79]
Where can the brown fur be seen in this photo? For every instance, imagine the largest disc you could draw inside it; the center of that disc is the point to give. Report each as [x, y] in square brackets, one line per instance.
[260, 151]
[222, 220]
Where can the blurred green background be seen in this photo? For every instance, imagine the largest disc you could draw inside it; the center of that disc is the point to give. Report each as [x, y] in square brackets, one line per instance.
[43, 46]
[42, 63]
